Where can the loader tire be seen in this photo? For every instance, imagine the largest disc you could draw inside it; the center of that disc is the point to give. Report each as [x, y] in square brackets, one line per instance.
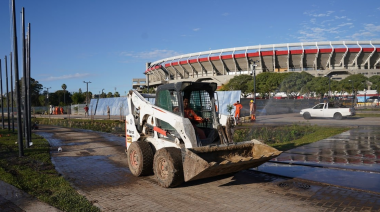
[140, 158]
[167, 167]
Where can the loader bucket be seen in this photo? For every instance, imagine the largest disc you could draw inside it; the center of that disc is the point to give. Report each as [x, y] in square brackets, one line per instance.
[209, 161]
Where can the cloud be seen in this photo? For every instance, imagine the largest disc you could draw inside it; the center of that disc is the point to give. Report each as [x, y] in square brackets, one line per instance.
[155, 54]
[328, 13]
[196, 29]
[66, 77]
[341, 17]
[225, 14]
[345, 24]
[371, 27]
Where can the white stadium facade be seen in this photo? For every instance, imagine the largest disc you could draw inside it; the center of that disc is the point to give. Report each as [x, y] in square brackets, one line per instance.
[336, 59]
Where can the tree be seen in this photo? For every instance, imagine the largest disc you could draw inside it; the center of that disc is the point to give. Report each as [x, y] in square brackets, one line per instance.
[294, 83]
[151, 90]
[64, 87]
[354, 82]
[109, 95]
[103, 95]
[78, 98]
[35, 89]
[375, 80]
[319, 85]
[116, 94]
[239, 82]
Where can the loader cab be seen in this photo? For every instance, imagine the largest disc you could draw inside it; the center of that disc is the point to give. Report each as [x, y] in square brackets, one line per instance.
[201, 98]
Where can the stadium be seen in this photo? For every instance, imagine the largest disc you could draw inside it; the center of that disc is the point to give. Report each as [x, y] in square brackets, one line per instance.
[336, 59]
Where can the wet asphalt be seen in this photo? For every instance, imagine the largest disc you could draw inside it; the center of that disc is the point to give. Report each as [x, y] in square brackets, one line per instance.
[350, 160]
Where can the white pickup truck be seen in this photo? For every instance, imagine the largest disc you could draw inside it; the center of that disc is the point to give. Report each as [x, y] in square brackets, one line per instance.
[327, 110]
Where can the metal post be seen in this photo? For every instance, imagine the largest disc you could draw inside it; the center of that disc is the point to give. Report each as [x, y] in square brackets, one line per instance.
[6, 83]
[1, 97]
[377, 89]
[253, 68]
[13, 116]
[87, 92]
[25, 113]
[29, 100]
[329, 88]
[353, 98]
[47, 97]
[17, 85]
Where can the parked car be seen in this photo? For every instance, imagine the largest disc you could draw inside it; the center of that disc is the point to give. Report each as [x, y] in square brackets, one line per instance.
[327, 110]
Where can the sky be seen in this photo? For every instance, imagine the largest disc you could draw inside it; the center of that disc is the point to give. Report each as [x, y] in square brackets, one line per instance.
[108, 42]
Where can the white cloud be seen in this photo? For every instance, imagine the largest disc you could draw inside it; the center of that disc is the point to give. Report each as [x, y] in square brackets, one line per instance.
[328, 13]
[155, 54]
[225, 14]
[360, 35]
[65, 77]
[371, 27]
[341, 17]
[196, 29]
[345, 24]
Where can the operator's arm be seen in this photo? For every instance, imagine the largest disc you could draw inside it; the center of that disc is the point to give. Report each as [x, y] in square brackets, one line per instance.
[190, 114]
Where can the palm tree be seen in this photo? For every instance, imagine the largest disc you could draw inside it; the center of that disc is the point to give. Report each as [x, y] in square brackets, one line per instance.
[64, 86]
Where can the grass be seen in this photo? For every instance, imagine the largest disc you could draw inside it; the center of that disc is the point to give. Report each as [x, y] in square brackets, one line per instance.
[35, 174]
[287, 137]
[95, 125]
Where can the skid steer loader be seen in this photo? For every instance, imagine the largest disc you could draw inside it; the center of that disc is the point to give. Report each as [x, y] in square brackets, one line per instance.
[160, 140]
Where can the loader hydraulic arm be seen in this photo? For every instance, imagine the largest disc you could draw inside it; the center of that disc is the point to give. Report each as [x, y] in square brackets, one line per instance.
[183, 126]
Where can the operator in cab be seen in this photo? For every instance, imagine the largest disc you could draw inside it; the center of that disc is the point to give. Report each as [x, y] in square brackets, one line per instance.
[193, 117]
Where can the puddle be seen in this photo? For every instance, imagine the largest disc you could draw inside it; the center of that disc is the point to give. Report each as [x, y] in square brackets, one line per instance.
[352, 179]
[92, 171]
[341, 160]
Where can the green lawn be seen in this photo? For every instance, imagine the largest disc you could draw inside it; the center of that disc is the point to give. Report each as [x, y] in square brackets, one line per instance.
[35, 174]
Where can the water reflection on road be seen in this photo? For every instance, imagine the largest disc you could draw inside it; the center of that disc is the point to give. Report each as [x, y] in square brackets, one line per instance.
[350, 159]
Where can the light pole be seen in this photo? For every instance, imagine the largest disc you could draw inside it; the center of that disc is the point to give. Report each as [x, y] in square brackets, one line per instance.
[253, 71]
[365, 92]
[377, 90]
[87, 92]
[329, 85]
[353, 98]
[47, 97]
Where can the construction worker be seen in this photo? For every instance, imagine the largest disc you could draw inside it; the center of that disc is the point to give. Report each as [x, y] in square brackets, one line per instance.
[252, 110]
[85, 111]
[194, 118]
[237, 111]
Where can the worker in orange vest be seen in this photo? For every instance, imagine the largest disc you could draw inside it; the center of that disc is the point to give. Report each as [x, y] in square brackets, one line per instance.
[237, 111]
[252, 110]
